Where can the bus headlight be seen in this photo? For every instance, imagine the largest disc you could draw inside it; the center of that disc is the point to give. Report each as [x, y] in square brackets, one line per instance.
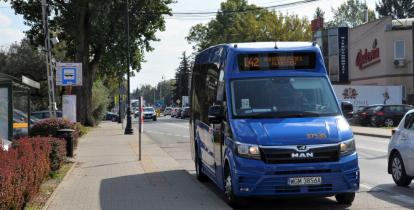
[248, 150]
[347, 147]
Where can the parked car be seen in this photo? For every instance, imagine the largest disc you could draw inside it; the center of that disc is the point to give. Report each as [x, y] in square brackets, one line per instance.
[362, 115]
[167, 111]
[149, 113]
[185, 113]
[389, 115]
[44, 114]
[111, 116]
[174, 112]
[178, 114]
[401, 150]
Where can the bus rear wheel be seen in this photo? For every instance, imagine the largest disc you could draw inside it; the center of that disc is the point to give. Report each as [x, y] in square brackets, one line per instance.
[199, 172]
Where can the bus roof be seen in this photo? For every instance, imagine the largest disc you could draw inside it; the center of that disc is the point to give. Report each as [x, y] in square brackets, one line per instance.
[273, 45]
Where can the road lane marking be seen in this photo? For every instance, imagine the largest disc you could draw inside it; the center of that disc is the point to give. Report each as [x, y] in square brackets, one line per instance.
[177, 125]
[166, 134]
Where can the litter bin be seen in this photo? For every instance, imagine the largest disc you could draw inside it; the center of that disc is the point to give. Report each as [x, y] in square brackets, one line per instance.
[67, 134]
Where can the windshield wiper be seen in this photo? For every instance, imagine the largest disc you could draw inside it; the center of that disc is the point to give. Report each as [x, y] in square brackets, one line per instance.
[290, 114]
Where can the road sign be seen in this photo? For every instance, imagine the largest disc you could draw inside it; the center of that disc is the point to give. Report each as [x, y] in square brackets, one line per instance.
[69, 74]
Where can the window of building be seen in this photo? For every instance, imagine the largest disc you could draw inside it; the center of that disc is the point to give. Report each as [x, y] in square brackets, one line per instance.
[399, 49]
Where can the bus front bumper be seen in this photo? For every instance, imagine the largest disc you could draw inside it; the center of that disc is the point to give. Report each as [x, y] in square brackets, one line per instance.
[256, 178]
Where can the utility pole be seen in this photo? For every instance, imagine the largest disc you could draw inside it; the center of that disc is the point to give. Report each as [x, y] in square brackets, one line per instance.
[49, 66]
[128, 128]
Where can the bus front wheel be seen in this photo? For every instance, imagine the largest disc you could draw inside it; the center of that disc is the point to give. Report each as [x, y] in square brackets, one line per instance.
[233, 200]
[345, 198]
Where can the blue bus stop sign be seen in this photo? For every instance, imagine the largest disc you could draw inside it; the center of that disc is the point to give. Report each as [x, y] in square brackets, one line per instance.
[68, 76]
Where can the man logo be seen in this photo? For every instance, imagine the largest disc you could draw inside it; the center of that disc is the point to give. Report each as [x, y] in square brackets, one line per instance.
[302, 155]
[302, 148]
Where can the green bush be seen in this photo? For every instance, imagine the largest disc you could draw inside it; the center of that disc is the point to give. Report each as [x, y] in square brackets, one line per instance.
[83, 130]
[100, 100]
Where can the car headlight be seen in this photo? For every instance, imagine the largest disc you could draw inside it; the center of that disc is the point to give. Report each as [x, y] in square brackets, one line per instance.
[347, 147]
[248, 150]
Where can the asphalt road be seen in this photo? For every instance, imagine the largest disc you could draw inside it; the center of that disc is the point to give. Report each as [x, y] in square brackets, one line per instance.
[377, 188]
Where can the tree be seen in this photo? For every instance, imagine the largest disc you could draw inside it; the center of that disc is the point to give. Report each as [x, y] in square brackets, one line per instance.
[95, 34]
[397, 9]
[351, 13]
[182, 78]
[23, 59]
[319, 13]
[237, 21]
[163, 90]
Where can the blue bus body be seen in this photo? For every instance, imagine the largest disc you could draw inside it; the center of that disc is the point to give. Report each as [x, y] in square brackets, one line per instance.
[292, 150]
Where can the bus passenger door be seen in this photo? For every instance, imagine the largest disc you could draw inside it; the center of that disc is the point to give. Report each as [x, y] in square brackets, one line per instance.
[205, 128]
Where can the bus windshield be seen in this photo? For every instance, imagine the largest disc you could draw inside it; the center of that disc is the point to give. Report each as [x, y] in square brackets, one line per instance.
[283, 97]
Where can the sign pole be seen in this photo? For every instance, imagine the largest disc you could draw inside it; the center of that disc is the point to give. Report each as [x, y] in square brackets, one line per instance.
[140, 126]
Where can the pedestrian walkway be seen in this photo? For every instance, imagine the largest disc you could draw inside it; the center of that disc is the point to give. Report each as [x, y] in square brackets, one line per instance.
[109, 176]
[370, 131]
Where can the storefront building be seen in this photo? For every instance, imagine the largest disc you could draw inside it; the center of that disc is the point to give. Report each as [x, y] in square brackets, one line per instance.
[381, 53]
[378, 53]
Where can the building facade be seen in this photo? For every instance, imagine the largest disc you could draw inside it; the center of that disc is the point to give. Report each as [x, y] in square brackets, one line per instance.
[381, 53]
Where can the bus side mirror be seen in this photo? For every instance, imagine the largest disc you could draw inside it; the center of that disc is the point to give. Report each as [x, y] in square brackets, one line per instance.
[346, 107]
[215, 114]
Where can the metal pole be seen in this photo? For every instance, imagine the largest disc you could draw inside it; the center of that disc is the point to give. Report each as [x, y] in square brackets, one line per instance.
[140, 127]
[49, 83]
[128, 128]
[412, 40]
[119, 102]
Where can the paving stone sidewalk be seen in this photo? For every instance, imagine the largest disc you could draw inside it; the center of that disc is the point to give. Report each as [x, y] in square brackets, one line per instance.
[109, 176]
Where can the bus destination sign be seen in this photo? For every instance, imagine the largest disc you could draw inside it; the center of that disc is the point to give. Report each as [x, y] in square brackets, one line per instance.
[276, 61]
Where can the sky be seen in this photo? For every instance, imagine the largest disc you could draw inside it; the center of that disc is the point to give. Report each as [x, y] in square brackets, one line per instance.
[164, 60]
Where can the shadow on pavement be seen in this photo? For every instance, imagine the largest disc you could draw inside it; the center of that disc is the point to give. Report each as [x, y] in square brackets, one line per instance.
[179, 190]
[402, 196]
[174, 189]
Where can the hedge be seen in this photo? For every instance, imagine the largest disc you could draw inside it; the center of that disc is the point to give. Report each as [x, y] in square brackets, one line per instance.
[49, 127]
[24, 167]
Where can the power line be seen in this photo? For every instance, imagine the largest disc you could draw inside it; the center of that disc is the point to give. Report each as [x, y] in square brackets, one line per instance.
[241, 11]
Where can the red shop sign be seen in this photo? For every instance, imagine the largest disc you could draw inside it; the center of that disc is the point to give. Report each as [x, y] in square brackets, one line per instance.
[367, 58]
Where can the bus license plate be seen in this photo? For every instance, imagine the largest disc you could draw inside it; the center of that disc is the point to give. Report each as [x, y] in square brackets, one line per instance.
[298, 181]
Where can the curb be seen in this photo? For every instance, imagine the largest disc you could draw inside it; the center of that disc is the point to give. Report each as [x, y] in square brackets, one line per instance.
[50, 199]
[372, 135]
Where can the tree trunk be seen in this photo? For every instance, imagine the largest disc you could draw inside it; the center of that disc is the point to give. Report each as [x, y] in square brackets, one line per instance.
[84, 92]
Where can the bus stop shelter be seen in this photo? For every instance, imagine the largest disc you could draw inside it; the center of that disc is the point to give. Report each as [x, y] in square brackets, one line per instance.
[15, 119]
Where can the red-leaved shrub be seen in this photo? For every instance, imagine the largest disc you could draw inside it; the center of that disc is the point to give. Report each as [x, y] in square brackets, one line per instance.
[51, 126]
[23, 168]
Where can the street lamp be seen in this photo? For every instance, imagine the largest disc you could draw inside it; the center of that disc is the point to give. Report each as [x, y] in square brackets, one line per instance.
[128, 128]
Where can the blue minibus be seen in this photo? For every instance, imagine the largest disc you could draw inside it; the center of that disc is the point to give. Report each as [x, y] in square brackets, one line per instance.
[265, 122]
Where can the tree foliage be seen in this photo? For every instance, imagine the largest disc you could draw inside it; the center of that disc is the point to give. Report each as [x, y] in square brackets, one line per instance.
[95, 35]
[319, 13]
[396, 8]
[182, 76]
[163, 91]
[248, 24]
[22, 59]
[351, 13]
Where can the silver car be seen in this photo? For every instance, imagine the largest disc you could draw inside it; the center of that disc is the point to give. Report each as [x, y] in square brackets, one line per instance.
[401, 151]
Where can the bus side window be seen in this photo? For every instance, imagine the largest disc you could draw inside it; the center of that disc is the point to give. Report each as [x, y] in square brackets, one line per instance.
[220, 88]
